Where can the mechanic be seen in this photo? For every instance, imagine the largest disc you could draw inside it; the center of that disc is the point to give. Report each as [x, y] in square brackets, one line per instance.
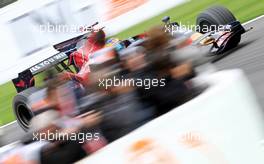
[62, 99]
[70, 150]
[81, 58]
[29, 151]
[94, 42]
[175, 92]
[62, 95]
[123, 112]
[47, 149]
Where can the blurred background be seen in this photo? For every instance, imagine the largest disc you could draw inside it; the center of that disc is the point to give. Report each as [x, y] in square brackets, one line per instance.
[72, 102]
[20, 21]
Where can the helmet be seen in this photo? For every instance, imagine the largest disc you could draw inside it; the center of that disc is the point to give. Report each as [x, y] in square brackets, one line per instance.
[116, 43]
[98, 37]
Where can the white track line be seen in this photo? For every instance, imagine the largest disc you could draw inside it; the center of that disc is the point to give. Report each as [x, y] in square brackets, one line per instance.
[253, 20]
[250, 21]
[10, 123]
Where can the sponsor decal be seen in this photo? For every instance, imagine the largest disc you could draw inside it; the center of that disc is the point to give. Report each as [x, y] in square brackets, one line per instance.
[48, 62]
[148, 151]
[192, 144]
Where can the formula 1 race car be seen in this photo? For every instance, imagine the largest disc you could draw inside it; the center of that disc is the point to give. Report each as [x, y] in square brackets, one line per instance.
[216, 41]
[216, 29]
[70, 64]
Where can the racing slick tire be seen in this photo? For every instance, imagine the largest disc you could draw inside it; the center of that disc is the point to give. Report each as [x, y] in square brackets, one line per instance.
[21, 108]
[216, 15]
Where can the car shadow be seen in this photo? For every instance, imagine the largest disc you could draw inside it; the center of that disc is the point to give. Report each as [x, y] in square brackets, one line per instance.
[229, 52]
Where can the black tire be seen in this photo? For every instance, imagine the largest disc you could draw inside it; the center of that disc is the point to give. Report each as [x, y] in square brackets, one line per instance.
[21, 108]
[216, 15]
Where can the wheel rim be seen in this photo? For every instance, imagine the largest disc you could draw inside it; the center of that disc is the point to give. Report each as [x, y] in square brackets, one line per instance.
[24, 115]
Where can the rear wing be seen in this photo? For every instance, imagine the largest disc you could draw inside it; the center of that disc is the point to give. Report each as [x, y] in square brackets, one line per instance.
[26, 79]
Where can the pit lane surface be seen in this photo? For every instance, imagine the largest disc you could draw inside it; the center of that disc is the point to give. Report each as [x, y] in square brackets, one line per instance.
[248, 56]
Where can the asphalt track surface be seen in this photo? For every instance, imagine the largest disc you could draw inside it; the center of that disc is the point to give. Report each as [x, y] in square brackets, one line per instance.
[248, 56]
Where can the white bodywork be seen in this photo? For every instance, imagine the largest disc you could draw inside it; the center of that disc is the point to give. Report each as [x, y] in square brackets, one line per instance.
[222, 125]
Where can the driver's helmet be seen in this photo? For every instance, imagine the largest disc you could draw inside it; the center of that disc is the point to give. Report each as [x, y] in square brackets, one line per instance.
[115, 42]
[97, 38]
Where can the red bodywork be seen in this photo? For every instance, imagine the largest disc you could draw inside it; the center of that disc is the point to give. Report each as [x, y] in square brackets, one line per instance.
[80, 59]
